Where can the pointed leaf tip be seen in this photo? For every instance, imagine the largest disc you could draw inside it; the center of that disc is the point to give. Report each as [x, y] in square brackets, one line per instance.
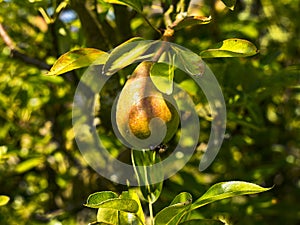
[76, 59]
[229, 189]
[229, 3]
[233, 47]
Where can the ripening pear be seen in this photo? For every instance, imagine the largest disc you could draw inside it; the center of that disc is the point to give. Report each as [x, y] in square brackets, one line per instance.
[139, 102]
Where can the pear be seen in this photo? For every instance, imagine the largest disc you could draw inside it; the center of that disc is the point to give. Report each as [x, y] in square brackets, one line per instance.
[140, 102]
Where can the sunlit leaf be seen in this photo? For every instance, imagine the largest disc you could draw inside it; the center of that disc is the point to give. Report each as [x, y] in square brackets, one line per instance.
[131, 194]
[188, 61]
[202, 222]
[135, 4]
[190, 86]
[142, 161]
[183, 197]
[136, 50]
[226, 190]
[125, 54]
[4, 200]
[28, 164]
[117, 210]
[230, 48]
[162, 76]
[76, 59]
[190, 21]
[128, 218]
[172, 214]
[108, 216]
[115, 217]
[229, 3]
[174, 56]
[126, 205]
[99, 197]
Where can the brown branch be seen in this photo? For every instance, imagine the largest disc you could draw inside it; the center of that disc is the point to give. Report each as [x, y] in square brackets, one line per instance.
[94, 31]
[122, 19]
[32, 61]
[7, 40]
[19, 55]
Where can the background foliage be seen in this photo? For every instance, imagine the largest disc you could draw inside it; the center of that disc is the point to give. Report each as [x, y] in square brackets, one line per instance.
[41, 169]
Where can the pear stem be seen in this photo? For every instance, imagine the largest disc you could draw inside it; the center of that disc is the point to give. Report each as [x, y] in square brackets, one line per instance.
[151, 212]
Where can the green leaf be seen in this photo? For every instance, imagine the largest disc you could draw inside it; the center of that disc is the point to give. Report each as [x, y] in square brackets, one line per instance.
[123, 210]
[188, 61]
[229, 3]
[28, 164]
[190, 21]
[115, 217]
[183, 197]
[178, 208]
[202, 222]
[172, 214]
[108, 216]
[162, 77]
[231, 48]
[126, 205]
[4, 200]
[99, 223]
[136, 50]
[226, 190]
[142, 161]
[99, 197]
[76, 59]
[137, 5]
[125, 54]
[190, 86]
[169, 57]
[131, 194]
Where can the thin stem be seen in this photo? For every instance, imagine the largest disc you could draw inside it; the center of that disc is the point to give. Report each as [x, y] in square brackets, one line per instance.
[17, 54]
[6, 38]
[149, 23]
[151, 212]
[167, 17]
[180, 7]
[146, 173]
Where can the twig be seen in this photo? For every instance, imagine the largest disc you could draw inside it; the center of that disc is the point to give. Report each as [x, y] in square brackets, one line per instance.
[18, 55]
[151, 212]
[32, 61]
[150, 24]
[7, 40]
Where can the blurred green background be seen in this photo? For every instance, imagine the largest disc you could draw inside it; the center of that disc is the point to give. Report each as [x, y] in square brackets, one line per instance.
[41, 168]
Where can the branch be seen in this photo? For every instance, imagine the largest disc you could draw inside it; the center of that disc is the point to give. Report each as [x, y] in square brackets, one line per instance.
[94, 31]
[18, 55]
[122, 15]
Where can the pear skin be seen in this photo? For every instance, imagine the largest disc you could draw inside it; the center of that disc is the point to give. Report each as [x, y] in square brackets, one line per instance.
[140, 102]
